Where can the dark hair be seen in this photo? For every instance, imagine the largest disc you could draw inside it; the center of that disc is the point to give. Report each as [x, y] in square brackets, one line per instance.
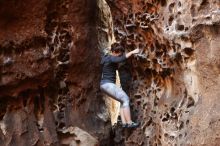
[116, 47]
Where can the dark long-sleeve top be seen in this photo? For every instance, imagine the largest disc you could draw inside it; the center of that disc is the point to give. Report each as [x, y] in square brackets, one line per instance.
[109, 66]
[125, 75]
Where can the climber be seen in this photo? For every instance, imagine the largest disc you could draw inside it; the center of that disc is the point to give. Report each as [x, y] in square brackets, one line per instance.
[107, 84]
[124, 72]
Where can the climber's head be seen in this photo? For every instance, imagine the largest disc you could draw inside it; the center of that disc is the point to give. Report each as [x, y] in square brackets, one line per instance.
[117, 49]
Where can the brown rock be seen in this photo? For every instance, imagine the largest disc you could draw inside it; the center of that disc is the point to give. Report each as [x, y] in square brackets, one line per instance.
[79, 137]
[50, 72]
[176, 74]
[49, 82]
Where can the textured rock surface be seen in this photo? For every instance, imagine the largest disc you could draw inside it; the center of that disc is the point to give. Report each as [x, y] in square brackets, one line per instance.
[50, 73]
[77, 136]
[176, 77]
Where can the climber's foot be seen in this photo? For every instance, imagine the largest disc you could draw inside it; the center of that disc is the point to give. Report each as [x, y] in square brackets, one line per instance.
[132, 125]
[124, 125]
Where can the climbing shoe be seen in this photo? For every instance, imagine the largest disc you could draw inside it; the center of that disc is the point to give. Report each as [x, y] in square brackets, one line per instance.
[124, 125]
[132, 125]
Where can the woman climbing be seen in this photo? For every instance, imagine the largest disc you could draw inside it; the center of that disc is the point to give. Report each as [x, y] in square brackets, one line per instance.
[107, 85]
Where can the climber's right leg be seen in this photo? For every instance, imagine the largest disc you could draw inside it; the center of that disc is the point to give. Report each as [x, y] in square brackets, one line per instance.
[122, 116]
[117, 93]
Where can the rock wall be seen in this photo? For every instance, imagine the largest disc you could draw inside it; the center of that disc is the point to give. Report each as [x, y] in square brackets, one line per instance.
[49, 89]
[49, 82]
[176, 76]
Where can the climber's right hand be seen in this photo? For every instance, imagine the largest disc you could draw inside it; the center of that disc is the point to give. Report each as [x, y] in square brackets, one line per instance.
[136, 51]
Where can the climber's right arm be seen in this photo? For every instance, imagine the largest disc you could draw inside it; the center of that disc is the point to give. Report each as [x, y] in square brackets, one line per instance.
[129, 54]
[117, 59]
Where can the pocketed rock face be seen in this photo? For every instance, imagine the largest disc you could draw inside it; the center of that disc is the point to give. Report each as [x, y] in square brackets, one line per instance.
[176, 75]
[50, 74]
[50, 71]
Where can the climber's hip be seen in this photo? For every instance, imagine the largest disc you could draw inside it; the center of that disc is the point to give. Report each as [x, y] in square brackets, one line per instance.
[115, 92]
